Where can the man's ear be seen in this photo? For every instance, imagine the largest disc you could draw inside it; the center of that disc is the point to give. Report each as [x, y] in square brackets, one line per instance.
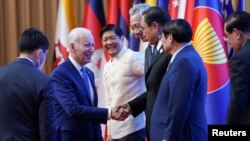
[122, 38]
[155, 25]
[72, 46]
[171, 38]
[237, 32]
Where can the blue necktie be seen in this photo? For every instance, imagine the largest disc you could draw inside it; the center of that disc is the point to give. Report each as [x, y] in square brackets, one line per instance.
[152, 52]
[85, 79]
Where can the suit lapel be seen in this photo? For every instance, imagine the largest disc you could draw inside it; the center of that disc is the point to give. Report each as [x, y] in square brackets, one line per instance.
[179, 55]
[156, 57]
[78, 77]
[147, 64]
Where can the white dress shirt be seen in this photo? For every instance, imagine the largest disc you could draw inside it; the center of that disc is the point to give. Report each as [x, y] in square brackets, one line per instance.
[158, 47]
[123, 81]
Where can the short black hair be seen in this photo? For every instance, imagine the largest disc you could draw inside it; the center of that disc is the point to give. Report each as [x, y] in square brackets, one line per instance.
[32, 39]
[239, 20]
[156, 14]
[180, 30]
[111, 27]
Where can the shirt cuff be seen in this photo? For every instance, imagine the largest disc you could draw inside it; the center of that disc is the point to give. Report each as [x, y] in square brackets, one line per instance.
[109, 114]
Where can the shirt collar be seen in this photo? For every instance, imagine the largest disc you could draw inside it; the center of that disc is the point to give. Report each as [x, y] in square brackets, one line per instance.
[174, 55]
[77, 65]
[157, 45]
[244, 43]
[28, 59]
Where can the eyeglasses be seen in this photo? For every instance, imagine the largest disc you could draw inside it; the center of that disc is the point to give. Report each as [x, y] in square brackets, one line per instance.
[136, 27]
[143, 28]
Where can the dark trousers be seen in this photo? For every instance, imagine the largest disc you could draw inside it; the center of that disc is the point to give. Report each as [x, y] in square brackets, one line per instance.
[136, 136]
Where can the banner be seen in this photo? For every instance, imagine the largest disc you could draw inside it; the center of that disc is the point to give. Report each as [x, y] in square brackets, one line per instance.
[65, 22]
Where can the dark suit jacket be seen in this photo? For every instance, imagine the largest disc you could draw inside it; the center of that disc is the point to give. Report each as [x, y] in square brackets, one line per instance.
[26, 103]
[76, 118]
[179, 110]
[153, 76]
[239, 107]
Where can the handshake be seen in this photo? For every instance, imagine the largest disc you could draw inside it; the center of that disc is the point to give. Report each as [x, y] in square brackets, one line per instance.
[120, 112]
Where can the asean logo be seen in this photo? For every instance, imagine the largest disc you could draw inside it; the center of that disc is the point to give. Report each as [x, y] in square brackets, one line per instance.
[209, 43]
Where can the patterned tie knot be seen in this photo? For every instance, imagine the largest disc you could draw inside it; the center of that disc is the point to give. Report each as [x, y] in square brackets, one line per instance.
[83, 70]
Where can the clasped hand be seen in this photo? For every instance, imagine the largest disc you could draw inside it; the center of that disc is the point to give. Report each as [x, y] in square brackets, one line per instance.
[120, 112]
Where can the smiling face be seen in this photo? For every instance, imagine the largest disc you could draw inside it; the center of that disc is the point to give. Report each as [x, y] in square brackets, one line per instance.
[135, 25]
[112, 43]
[83, 48]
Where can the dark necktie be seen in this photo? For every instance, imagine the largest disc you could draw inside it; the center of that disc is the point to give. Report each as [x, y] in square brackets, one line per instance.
[154, 51]
[85, 80]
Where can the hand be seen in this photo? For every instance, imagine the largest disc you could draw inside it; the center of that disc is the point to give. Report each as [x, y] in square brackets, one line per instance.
[121, 112]
[125, 106]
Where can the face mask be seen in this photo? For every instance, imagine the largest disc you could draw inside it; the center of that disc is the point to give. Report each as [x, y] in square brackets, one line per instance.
[41, 63]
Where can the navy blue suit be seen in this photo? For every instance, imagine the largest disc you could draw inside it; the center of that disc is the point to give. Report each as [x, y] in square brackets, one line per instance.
[77, 119]
[26, 103]
[179, 110]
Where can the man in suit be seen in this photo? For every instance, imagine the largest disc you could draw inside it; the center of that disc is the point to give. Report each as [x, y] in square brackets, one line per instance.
[77, 116]
[156, 62]
[237, 33]
[179, 110]
[26, 96]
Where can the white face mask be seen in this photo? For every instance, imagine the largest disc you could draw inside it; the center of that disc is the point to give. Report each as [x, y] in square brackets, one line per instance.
[41, 63]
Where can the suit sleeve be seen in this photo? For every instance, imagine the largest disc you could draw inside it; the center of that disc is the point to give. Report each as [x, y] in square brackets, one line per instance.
[182, 83]
[65, 95]
[138, 105]
[47, 114]
[239, 91]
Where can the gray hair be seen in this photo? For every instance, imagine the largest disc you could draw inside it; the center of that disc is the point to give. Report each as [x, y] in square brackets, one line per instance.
[138, 8]
[75, 33]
